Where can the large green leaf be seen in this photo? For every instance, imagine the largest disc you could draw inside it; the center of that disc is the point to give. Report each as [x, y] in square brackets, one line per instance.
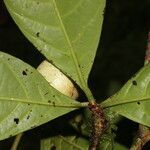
[133, 100]
[63, 143]
[26, 98]
[65, 31]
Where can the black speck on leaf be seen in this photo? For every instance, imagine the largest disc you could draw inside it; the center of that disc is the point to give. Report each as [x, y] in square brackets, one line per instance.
[54, 104]
[10, 136]
[53, 95]
[24, 73]
[41, 116]
[38, 34]
[53, 147]
[138, 103]
[33, 127]
[46, 93]
[51, 62]
[28, 104]
[134, 82]
[49, 101]
[8, 59]
[16, 120]
[37, 3]
[28, 117]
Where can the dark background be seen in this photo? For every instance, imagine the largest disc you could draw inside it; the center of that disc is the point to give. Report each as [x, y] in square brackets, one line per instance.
[120, 54]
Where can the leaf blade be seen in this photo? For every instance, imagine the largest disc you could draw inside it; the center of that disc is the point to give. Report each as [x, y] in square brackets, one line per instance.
[65, 36]
[26, 98]
[133, 99]
[69, 142]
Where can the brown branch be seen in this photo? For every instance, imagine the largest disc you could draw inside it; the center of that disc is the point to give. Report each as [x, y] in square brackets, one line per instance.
[147, 55]
[16, 141]
[142, 138]
[98, 123]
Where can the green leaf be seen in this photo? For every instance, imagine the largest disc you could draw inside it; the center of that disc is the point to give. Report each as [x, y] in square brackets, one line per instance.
[133, 100]
[119, 146]
[26, 98]
[64, 143]
[106, 142]
[66, 32]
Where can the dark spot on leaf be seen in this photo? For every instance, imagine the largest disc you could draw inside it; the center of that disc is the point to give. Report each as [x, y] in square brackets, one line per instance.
[72, 93]
[41, 116]
[28, 117]
[54, 104]
[8, 59]
[138, 103]
[38, 34]
[26, 70]
[16, 120]
[46, 93]
[37, 3]
[53, 147]
[10, 136]
[51, 62]
[49, 101]
[28, 104]
[31, 72]
[33, 127]
[134, 82]
[79, 66]
[53, 95]
[24, 73]
[31, 110]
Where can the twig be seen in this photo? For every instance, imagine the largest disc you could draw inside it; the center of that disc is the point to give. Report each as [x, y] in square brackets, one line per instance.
[147, 55]
[98, 125]
[142, 138]
[16, 141]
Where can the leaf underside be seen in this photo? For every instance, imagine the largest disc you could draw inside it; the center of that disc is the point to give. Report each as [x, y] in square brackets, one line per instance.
[133, 100]
[26, 98]
[62, 143]
[66, 32]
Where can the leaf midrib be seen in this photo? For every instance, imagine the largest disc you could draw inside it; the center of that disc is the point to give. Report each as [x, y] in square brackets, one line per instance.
[108, 103]
[37, 102]
[73, 55]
